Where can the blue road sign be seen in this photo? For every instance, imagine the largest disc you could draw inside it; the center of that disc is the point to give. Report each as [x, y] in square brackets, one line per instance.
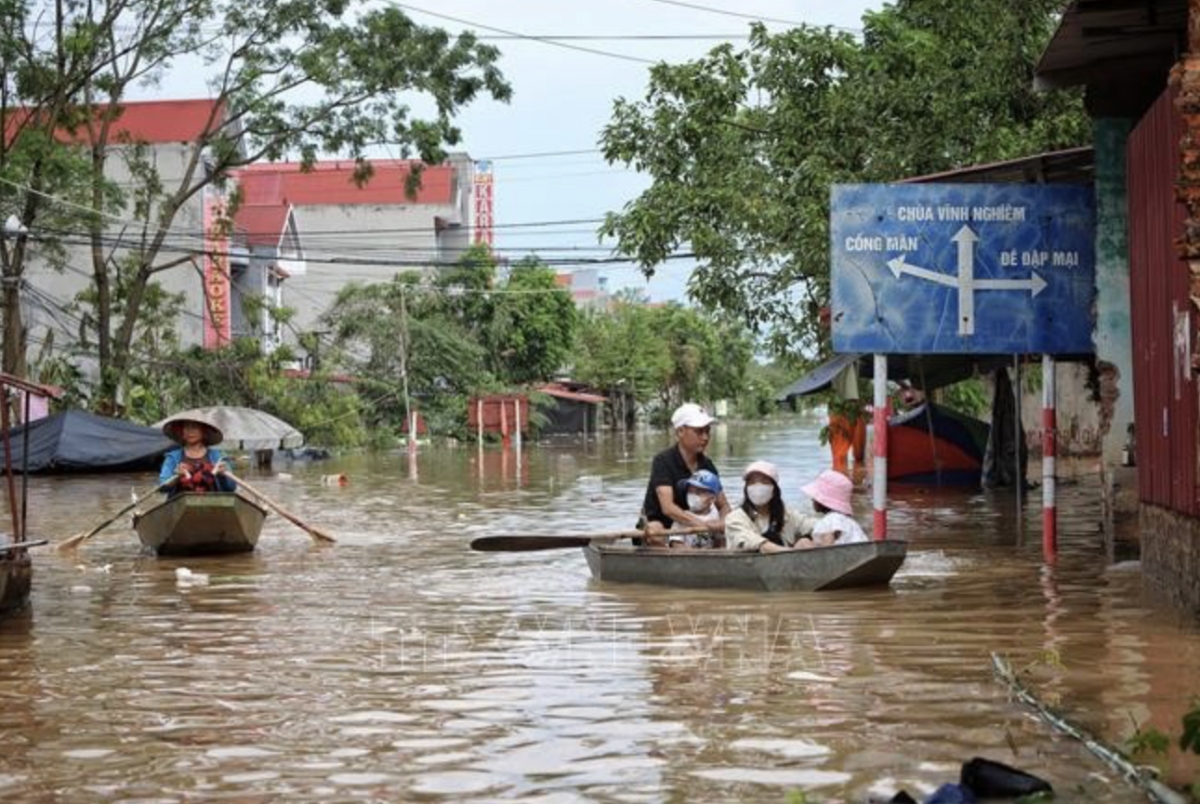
[979, 268]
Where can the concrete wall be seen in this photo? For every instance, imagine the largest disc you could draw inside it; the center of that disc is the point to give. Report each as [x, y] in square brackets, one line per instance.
[1171, 555]
[54, 289]
[357, 243]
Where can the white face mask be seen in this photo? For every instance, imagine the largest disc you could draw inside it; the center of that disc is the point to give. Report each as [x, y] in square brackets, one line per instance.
[760, 493]
[698, 503]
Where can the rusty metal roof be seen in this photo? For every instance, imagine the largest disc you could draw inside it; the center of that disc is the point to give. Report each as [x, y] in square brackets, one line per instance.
[1069, 166]
[1111, 39]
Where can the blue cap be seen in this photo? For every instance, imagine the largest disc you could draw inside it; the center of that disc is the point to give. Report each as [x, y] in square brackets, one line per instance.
[706, 480]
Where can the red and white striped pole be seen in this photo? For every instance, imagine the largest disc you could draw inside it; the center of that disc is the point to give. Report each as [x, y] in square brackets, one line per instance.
[879, 496]
[1049, 453]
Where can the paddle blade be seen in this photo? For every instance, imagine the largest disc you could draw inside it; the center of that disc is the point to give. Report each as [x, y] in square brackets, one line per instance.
[522, 544]
[71, 543]
[320, 534]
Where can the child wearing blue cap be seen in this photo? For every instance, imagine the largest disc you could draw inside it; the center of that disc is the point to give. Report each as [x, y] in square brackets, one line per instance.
[702, 490]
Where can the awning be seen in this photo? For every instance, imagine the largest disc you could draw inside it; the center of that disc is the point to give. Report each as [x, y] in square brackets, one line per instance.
[926, 372]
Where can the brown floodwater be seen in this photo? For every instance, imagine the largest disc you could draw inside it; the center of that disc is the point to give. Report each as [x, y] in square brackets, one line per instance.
[399, 666]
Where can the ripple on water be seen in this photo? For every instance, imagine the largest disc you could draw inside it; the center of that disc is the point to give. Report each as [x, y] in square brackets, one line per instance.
[792, 777]
[455, 783]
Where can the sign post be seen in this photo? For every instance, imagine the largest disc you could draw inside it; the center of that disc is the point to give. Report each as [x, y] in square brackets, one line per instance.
[985, 269]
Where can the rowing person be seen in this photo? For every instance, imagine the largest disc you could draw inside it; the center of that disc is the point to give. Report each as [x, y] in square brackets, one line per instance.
[197, 464]
[666, 503]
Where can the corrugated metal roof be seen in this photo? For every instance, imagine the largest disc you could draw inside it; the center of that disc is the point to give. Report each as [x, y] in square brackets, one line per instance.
[1069, 166]
[560, 391]
[263, 224]
[1113, 39]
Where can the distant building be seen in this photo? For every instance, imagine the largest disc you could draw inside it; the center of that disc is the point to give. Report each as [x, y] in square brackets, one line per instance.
[588, 288]
[266, 251]
[170, 132]
[366, 233]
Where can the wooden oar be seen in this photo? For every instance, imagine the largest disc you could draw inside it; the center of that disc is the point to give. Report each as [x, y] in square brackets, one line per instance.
[74, 541]
[8, 548]
[555, 541]
[313, 530]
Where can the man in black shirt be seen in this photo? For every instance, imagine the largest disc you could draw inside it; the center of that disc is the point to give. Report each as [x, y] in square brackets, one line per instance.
[666, 494]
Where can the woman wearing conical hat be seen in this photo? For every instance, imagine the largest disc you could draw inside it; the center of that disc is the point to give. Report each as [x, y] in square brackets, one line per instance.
[197, 465]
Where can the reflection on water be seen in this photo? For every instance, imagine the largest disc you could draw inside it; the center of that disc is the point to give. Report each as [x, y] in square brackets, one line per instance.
[397, 665]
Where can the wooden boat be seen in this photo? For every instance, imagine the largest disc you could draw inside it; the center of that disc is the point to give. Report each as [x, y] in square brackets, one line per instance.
[838, 567]
[951, 456]
[201, 524]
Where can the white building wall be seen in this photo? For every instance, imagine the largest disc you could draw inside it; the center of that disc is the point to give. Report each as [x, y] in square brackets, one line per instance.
[364, 244]
[51, 290]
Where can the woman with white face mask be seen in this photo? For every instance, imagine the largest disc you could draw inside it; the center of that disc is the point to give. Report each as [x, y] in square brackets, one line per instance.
[763, 523]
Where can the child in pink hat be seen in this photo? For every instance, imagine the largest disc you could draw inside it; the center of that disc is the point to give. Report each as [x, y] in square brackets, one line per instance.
[831, 497]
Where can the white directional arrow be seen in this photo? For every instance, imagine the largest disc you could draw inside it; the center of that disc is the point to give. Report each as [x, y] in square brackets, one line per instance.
[966, 240]
[965, 280]
[1034, 284]
[900, 267]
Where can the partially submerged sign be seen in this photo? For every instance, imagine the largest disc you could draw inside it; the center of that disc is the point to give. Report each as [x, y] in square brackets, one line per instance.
[967, 268]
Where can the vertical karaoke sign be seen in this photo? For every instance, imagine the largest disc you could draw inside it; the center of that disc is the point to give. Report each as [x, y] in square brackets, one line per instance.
[483, 190]
[217, 324]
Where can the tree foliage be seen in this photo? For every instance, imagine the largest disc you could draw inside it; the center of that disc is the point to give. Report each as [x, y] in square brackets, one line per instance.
[532, 330]
[666, 354]
[382, 331]
[742, 146]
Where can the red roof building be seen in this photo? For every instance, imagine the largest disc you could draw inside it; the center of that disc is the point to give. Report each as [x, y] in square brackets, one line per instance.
[332, 182]
[152, 122]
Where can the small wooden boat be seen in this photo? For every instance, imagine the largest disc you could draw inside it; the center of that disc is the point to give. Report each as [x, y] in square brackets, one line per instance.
[201, 524]
[951, 456]
[838, 567]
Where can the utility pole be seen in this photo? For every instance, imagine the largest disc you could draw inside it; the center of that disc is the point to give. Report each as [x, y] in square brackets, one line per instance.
[404, 343]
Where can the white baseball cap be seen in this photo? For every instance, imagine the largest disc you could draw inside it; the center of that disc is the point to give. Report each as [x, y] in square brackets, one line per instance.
[689, 414]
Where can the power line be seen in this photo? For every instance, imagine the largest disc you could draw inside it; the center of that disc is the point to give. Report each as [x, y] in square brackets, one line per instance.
[623, 37]
[723, 12]
[518, 35]
[537, 155]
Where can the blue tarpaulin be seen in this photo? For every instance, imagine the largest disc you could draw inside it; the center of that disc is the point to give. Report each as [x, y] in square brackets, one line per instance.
[76, 441]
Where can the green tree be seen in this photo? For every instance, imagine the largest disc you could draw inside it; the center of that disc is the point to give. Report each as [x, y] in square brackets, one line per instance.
[533, 327]
[666, 354]
[743, 145]
[383, 331]
[622, 352]
[291, 78]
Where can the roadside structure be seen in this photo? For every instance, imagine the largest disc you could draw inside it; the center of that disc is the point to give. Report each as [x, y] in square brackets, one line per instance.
[1144, 100]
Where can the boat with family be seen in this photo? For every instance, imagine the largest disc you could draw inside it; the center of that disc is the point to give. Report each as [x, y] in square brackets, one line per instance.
[819, 569]
[691, 537]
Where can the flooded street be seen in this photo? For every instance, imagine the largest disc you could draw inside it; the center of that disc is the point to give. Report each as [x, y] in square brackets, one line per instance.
[399, 666]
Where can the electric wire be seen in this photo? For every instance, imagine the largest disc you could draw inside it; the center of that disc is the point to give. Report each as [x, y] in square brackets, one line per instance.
[544, 40]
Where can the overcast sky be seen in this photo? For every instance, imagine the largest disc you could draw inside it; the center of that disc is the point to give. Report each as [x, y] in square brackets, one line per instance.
[563, 97]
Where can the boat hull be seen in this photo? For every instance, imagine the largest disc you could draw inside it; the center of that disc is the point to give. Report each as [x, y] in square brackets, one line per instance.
[953, 456]
[838, 567]
[16, 580]
[201, 524]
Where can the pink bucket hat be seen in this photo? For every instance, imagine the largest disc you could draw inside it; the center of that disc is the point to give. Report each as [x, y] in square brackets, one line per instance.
[831, 489]
[762, 467]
